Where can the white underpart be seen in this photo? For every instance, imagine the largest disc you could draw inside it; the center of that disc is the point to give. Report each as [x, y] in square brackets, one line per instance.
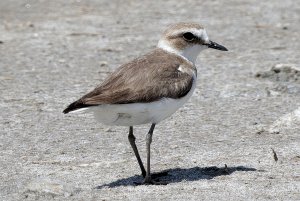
[140, 113]
[191, 52]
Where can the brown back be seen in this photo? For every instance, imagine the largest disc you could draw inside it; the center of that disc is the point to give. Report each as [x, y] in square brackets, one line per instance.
[145, 79]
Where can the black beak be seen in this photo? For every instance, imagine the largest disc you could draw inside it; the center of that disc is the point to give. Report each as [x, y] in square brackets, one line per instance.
[216, 46]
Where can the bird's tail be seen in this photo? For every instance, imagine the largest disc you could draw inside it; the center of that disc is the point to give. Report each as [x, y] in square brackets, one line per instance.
[76, 106]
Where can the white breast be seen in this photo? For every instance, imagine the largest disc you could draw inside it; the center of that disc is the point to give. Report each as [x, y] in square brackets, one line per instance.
[140, 113]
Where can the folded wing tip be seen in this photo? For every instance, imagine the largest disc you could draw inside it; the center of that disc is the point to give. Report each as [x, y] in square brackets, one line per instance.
[75, 106]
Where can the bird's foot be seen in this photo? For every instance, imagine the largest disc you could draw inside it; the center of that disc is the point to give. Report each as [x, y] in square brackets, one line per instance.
[155, 176]
[153, 182]
[149, 181]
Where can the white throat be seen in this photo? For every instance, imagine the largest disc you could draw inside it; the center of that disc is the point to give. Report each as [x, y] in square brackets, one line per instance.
[190, 53]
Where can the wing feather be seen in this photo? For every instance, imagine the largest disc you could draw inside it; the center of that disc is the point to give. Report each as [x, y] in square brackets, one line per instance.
[145, 79]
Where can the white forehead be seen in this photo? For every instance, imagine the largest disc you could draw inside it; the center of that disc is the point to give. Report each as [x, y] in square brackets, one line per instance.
[200, 33]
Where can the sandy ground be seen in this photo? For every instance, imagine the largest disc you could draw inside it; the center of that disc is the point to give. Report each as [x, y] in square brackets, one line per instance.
[247, 102]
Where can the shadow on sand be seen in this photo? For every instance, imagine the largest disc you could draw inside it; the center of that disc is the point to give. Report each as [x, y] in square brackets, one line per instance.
[178, 174]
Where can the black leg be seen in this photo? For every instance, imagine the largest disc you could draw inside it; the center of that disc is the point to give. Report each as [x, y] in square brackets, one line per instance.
[131, 139]
[148, 143]
[146, 174]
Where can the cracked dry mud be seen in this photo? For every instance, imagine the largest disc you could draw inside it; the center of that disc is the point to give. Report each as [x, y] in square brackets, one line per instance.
[52, 52]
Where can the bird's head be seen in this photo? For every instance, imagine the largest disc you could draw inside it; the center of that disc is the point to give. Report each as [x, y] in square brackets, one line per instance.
[187, 40]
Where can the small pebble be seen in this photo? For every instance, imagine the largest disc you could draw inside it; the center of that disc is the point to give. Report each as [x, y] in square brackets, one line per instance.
[103, 63]
[108, 130]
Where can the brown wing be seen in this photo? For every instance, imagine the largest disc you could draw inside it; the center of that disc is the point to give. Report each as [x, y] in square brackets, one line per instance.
[145, 79]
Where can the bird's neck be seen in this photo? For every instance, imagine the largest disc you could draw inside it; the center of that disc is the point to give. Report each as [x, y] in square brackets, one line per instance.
[190, 53]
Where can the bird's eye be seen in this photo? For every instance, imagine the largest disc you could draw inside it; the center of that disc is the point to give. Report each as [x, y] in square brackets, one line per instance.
[188, 36]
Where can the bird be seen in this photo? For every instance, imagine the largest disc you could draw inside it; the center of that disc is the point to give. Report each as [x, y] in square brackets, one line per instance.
[150, 88]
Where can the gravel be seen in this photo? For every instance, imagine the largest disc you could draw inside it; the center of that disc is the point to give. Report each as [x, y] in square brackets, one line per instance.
[220, 146]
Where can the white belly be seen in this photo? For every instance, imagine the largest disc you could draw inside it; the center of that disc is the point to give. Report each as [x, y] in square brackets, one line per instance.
[139, 113]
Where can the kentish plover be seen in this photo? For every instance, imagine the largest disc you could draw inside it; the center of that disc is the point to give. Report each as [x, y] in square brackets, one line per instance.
[150, 88]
